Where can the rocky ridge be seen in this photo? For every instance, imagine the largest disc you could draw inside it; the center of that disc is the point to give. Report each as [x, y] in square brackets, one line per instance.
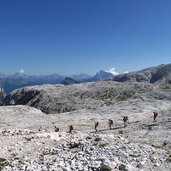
[60, 98]
[159, 74]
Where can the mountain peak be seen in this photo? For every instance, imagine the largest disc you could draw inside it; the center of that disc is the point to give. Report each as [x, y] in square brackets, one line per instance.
[112, 71]
[101, 75]
[19, 75]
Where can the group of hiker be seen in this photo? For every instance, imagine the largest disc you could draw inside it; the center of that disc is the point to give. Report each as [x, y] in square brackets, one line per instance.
[110, 123]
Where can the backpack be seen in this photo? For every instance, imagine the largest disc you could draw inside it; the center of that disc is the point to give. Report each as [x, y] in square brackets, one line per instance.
[125, 118]
[155, 114]
[96, 124]
[71, 127]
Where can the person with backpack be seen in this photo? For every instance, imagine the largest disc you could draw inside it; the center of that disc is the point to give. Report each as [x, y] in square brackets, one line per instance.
[71, 128]
[125, 119]
[96, 125]
[155, 114]
[110, 123]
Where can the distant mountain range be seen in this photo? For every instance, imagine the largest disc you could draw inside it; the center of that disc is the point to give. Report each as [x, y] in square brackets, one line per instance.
[154, 82]
[154, 75]
[19, 80]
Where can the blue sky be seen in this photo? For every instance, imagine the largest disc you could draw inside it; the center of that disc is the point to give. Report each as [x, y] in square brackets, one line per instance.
[75, 36]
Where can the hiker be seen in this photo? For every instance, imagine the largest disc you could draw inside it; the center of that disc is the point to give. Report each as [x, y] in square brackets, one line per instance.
[56, 129]
[70, 128]
[96, 125]
[110, 123]
[155, 114]
[125, 119]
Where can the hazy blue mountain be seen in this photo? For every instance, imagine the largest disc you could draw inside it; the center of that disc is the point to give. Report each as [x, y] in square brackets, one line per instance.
[2, 76]
[101, 75]
[80, 77]
[19, 80]
[69, 81]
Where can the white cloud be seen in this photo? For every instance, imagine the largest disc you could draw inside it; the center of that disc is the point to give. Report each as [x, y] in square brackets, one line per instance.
[21, 71]
[125, 72]
[113, 71]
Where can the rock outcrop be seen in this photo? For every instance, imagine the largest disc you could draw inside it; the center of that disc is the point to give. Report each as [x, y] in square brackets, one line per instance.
[159, 74]
[60, 98]
[2, 96]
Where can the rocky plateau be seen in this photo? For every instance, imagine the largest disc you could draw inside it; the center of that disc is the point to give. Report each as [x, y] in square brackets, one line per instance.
[29, 115]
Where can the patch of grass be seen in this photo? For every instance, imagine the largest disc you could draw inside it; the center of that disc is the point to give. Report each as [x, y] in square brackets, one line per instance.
[16, 158]
[165, 87]
[124, 97]
[3, 162]
[28, 138]
[169, 158]
[108, 102]
[13, 154]
[157, 146]
[102, 145]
